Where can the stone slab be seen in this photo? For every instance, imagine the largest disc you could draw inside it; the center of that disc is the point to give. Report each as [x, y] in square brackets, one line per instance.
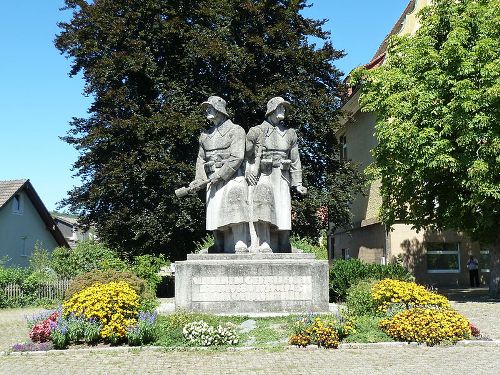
[232, 283]
[251, 256]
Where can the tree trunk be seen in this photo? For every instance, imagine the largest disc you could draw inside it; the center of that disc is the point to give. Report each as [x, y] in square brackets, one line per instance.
[495, 268]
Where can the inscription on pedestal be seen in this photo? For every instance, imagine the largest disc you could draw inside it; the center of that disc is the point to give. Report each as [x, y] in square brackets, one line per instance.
[251, 288]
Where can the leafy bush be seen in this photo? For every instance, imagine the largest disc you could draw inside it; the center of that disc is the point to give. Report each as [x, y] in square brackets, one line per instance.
[202, 334]
[344, 273]
[115, 305]
[145, 331]
[147, 268]
[387, 292]
[205, 243]
[85, 257]
[41, 330]
[319, 331]
[87, 279]
[359, 298]
[307, 246]
[325, 332]
[368, 331]
[427, 325]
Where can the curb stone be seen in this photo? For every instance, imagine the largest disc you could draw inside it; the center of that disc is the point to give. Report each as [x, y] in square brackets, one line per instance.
[345, 346]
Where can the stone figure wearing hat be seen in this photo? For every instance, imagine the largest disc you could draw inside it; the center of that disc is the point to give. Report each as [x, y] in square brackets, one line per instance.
[273, 167]
[220, 160]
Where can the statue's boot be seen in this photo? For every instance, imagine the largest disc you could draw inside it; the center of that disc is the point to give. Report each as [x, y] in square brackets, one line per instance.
[240, 247]
[265, 248]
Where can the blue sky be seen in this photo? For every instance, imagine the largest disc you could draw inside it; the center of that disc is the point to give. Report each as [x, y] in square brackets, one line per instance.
[38, 99]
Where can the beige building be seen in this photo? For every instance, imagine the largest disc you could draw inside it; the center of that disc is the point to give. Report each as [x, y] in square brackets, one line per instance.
[435, 258]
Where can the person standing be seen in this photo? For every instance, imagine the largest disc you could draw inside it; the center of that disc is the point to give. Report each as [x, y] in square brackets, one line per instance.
[220, 161]
[273, 167]
[473, 267]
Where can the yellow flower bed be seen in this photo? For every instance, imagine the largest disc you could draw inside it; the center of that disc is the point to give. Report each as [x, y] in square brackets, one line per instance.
[115, 305]
[388, 291]
[427, 325]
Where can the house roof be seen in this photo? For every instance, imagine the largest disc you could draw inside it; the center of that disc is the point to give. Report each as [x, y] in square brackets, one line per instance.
[8, 189]
[378, 57]
[67, 220]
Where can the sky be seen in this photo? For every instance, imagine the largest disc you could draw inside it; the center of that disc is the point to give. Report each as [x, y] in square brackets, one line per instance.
[38, 98]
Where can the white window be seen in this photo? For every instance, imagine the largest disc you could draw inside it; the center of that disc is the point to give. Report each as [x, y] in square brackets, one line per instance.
[443, 257]
[343, 147]
[17, 204]
[484, 260]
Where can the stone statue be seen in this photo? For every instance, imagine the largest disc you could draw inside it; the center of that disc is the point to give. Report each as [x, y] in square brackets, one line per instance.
[273, 166]
[220, 162]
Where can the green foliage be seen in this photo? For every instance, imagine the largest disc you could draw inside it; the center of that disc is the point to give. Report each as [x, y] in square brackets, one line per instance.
[86, 256]
[345, 273]
[437, 102]
[359, 300]
[148, 65]
[204, 243]
[85, 280]
[368, 331]
[147, 267]
[308, 246]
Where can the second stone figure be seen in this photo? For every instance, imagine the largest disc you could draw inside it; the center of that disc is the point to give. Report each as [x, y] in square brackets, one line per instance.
[248, 179]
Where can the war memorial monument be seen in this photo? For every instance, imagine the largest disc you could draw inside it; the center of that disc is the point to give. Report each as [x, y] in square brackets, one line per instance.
[251, 268]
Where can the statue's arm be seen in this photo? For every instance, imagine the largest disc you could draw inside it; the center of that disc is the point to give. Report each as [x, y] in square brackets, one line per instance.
[201, 174]
[296, 166]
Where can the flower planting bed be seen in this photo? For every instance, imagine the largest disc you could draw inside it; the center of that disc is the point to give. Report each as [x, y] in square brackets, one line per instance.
[106, 315]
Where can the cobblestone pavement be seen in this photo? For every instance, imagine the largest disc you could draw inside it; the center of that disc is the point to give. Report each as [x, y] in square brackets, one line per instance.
[380, 360]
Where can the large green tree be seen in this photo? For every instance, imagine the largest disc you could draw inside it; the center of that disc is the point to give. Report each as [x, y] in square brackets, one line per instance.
[148, 64]
[437, 98]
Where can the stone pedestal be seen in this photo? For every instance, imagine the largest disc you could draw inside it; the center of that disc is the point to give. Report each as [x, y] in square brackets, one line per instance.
[252, 283]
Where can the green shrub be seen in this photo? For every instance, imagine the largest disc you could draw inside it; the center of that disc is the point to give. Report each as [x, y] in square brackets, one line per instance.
[147, 267]
[85, 280]
[368, 331]
[85, 257]
[205, 243]
[359, 298]
[344, 273]
[12, 275]
[307, 246]
[3, 299]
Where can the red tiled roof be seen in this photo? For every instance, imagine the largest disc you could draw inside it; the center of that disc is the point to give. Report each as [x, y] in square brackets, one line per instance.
[378, 57]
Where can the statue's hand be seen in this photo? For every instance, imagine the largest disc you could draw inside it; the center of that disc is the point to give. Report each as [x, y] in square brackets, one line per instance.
[251, 178]
[194, 183]
[215, 178]
[302, 190]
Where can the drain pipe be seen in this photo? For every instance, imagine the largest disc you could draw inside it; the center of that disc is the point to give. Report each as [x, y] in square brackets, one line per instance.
[387, 246]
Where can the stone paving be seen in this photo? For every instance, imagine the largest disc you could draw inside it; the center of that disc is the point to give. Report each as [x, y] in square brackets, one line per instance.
[406, 360]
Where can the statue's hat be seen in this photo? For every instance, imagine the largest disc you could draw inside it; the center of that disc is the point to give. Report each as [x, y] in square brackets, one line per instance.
[217, 102]
[274, 103]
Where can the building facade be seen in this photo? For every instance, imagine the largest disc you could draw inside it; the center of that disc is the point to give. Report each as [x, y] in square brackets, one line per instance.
[24, 223]
[436, 258]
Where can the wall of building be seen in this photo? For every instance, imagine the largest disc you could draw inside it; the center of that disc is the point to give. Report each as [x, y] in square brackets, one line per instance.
[365, 243]
[359, 134]
[411, 248]
[19, 232]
